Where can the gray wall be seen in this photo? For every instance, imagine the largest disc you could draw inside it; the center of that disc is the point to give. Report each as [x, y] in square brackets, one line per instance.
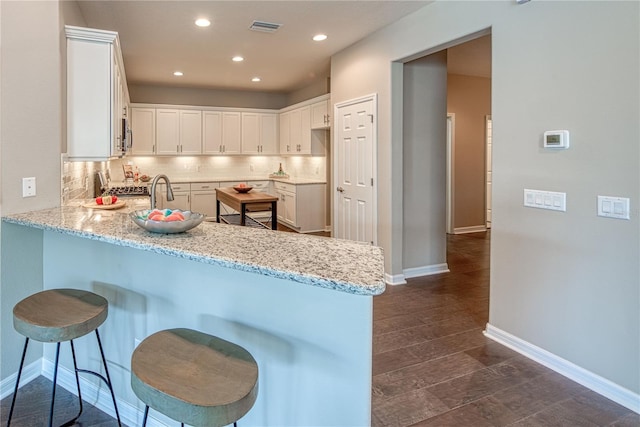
[424, 161]
[566, 282]
[147, 94]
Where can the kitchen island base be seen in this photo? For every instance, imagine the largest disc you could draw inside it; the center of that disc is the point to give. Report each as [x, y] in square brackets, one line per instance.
[313, 345]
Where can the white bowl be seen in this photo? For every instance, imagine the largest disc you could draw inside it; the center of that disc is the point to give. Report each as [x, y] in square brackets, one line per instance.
[191, 220]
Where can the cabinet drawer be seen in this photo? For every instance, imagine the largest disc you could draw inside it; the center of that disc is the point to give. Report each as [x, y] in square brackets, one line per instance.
[204, 186]
[262, 186]
[180, 187]
[284, 186]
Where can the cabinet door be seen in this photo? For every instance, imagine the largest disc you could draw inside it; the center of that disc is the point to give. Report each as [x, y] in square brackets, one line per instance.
[167, 131]
[190, 132]
[285, 133]
[251, 133]
[143, 131]
[320, 115]
[231, 132]
[290, 209]
[204, 202]
[268, 134]
[212, 132]
[295, 130]
[304, 143]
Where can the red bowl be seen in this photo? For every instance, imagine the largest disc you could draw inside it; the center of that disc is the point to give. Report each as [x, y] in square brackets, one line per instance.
[242, 189]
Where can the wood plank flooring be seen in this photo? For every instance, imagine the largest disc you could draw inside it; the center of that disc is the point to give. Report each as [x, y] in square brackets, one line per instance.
[433, 367]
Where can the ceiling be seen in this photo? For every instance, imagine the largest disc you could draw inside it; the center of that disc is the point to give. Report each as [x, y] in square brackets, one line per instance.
[160, 37]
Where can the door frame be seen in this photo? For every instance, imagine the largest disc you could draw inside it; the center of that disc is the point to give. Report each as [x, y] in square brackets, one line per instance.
[374, 158]
[451, 149]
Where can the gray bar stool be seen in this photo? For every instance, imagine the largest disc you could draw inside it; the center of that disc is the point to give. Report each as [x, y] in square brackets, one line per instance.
[59, 315]
[194, 378]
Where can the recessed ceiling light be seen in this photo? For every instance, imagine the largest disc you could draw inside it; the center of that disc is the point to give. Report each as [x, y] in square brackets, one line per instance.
[178, 73]
[237, 59]
[319, 37]
[256, 79]
[203, 22]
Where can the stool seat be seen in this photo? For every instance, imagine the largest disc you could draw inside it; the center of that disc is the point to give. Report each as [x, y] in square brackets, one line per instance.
[59, 315]
[55, 316]
[194, 378]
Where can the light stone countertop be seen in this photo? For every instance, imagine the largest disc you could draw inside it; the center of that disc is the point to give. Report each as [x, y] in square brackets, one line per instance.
[330, 263]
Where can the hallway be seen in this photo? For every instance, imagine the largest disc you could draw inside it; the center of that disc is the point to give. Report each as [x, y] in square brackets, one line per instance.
[432, 366]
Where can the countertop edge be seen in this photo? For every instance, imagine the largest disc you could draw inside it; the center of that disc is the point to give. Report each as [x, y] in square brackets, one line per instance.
[365, 290]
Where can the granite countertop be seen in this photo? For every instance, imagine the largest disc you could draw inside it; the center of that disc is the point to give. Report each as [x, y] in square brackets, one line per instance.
[330, 263]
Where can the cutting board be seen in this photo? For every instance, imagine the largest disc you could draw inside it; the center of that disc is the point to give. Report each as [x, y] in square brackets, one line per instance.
[93, 205]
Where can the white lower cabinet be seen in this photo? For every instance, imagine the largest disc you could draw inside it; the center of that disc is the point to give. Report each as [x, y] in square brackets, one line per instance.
[302, 206]
[196, 197]
[203, 198]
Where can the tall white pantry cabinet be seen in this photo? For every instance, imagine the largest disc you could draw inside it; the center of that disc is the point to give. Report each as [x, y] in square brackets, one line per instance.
[97, 95]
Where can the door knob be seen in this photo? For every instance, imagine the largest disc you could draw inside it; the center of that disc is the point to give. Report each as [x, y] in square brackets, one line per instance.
[340, 189]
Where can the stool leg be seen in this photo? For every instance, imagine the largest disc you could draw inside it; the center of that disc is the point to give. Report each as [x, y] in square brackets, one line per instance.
[15, 391]
[53, 391]
[146, 414]
[75, 369]
[106, 371]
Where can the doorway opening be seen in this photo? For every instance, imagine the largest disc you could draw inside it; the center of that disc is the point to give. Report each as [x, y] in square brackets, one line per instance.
[454, 170]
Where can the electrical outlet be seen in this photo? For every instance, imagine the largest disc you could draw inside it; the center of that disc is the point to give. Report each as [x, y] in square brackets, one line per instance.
[251, 167]
[29, 187]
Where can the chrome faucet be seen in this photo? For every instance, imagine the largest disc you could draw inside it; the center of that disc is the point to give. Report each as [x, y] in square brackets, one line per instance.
[153, 189]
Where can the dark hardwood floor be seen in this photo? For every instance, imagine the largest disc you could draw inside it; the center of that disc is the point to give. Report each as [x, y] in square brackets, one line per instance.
[433, 367]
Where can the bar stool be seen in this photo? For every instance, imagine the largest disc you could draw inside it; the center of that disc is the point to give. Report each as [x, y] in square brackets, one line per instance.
[194, 378]
[59, 315]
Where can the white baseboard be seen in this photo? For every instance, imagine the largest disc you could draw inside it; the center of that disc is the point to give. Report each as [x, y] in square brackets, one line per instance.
[394, 279]
[471, 229]
[574, 372]
[29, 373]
[426, 270]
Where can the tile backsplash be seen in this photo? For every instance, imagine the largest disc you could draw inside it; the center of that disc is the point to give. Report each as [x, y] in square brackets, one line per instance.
[78, 178]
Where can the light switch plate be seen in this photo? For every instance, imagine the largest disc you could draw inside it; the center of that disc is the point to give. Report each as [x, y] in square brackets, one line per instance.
[551, 200]
[613, 207]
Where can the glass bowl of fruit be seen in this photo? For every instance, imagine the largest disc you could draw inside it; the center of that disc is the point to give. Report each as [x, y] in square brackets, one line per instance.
[166, 221]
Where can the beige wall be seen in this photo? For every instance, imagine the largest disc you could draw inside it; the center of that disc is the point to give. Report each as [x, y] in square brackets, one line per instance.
[469, 98]
[569, 282]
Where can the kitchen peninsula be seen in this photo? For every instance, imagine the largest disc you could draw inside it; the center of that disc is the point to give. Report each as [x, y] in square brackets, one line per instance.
[302, 305]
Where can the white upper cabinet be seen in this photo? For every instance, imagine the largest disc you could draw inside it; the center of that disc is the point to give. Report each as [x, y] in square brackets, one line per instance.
[285, 133]
[212, 132]
[231, 132]
[178, 132]
[320, 115]
[97, 95]
[259, 133]
[190, 132]
[298, 138]
[167, 131]
[143, 131]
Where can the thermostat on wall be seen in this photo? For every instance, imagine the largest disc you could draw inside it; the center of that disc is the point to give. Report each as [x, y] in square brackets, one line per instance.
[556, 139]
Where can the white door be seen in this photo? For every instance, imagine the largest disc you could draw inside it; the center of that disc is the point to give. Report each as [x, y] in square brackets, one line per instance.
[488, 137]
[355, 212]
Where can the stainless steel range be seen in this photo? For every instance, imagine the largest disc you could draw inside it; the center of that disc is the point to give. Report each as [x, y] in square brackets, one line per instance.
[102, 187]
[130, 191]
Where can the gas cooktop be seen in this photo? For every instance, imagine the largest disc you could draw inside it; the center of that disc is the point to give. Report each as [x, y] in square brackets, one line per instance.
[130, 191]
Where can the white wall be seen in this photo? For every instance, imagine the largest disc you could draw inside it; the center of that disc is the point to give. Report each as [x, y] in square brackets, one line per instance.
[566, 282]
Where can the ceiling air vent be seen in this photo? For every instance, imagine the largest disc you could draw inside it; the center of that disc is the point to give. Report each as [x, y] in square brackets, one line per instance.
[265, 27]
